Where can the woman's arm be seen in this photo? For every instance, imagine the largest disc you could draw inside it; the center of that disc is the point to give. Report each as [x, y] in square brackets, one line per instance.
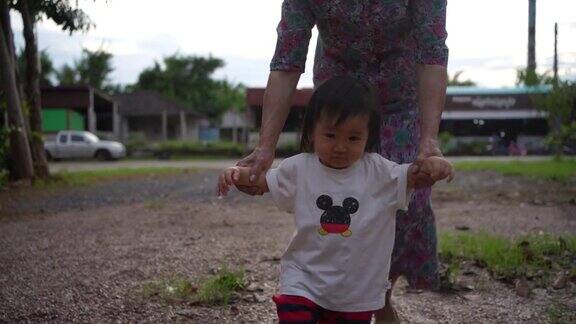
[432, 82]
[275, 110]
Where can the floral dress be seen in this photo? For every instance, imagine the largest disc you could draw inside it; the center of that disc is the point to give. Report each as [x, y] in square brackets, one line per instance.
[381, 42]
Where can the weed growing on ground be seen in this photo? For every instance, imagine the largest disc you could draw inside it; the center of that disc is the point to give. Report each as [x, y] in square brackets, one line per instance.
[536, 257]
[218, 289]
[560, 313]
[213, 290]
[169, 290]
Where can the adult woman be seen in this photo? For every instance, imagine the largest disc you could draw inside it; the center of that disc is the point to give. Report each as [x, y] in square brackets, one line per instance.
[398, 46]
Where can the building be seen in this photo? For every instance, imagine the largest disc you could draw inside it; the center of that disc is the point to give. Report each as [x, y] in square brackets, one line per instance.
[471, 114]
[79, 107]
[148, 114]
[234, 127]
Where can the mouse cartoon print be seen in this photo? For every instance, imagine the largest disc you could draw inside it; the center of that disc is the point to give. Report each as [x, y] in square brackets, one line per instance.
[336, 219]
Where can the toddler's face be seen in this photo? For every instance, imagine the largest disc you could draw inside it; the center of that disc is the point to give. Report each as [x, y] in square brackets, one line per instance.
[340, 146]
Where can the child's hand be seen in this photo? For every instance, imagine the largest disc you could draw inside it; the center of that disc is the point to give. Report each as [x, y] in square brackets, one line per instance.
[229, 177]
[437, 168]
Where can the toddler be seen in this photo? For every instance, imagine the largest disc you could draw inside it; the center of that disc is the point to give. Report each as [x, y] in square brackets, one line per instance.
[344, 197]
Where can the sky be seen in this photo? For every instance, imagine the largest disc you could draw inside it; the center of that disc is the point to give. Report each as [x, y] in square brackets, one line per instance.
[487, 38]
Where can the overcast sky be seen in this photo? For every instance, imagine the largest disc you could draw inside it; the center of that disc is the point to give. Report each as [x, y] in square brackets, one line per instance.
[487, 38]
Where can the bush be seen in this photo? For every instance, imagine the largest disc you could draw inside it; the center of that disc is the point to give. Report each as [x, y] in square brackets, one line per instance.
[183, 148]
[287, 149]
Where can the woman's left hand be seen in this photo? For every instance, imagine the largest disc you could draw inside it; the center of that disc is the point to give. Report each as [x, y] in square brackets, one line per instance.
[427, 148]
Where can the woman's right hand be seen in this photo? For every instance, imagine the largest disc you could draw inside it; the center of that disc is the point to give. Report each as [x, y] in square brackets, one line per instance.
[259, 161]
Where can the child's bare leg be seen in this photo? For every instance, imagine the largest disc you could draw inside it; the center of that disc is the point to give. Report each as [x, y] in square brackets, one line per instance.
[387, 314]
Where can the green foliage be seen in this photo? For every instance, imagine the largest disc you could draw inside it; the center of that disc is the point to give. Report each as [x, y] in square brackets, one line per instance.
[527, 77]
[47, 71]
[213, 290]
[454, 81]
[169, 290]
[186, 148]
[445, 139]
[93, 68]
[62, 12]
[550, 169]
[466, 148]
[560, 104]
[188, 80]
[558, 313]
[218, 288]
[532, 256]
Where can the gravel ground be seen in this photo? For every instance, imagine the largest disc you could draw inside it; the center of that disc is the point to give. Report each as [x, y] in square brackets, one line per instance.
[81, 254]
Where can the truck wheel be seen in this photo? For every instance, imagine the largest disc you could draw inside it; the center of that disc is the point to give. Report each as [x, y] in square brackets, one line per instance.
[103, 155]
[48, 156]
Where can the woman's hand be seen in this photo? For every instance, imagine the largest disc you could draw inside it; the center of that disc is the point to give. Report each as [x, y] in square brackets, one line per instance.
[259, 161]
[438, 168]
[427, 148]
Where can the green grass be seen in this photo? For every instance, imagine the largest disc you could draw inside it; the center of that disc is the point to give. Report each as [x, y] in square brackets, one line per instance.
[87, 177]
[169, 290]
[217, 289]
[549, 169]
[560, 313]
[534, 256]
[212, 290]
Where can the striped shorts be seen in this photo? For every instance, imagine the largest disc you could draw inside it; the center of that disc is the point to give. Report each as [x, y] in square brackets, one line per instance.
[301, 310]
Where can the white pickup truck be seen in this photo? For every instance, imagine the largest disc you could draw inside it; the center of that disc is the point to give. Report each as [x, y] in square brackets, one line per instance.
[80, 144]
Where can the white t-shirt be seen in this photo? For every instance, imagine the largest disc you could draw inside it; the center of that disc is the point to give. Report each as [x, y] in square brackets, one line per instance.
[340, 254]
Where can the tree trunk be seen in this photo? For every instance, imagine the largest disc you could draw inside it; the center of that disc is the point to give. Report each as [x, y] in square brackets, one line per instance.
[33, 93]
[19, 147]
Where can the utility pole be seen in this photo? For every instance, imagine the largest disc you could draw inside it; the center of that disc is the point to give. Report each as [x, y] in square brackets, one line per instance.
[531, 67]
[555, 53]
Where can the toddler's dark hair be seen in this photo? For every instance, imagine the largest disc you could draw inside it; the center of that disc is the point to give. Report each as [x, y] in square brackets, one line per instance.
[341, 98]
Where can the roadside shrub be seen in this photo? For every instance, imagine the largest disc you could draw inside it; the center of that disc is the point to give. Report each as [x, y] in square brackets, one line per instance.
[470, 148]
[287, 149]
[185, 148]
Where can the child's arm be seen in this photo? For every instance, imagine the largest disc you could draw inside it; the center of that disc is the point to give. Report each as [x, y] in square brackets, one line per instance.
[436, 167]
[239, 176]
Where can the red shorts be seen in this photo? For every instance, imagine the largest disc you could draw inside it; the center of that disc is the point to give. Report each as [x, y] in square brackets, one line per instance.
[297, 309]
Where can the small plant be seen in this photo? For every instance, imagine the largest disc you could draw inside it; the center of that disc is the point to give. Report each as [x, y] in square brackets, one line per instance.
[173, 289]
[529, 256]
[559, 313]
[218, 289]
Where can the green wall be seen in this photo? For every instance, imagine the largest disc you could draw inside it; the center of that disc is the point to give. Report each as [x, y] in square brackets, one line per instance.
[56, 119]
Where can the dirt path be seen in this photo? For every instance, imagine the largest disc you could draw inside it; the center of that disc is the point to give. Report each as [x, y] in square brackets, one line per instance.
[86, 261]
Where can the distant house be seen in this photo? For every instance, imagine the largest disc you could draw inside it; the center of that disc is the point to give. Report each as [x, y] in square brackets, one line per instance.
[470, 114]
[79, 107]
[153, 116]
[234, 126]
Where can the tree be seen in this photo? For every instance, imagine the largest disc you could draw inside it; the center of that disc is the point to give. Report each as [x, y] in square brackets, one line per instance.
[47, 70]
[93, 68]
[528, 77]
[455, 82]
[70, 19]
[560, 105]
[188, 80]
[22, 166]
